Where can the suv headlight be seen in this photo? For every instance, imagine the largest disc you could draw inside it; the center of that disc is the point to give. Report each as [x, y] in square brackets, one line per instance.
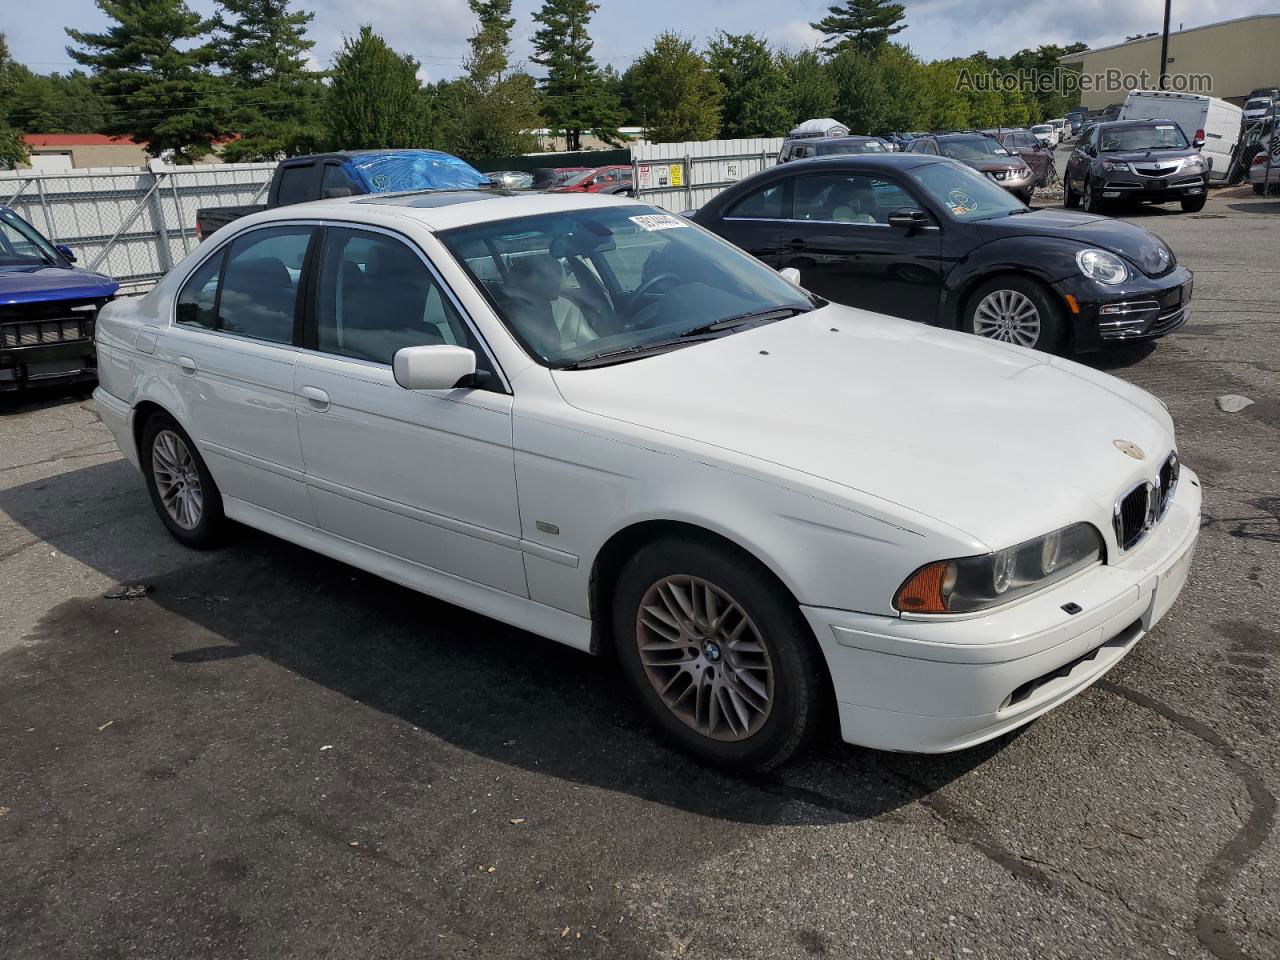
[1110, 166]
[1193, 163]
[976, 583]
[1102, 266]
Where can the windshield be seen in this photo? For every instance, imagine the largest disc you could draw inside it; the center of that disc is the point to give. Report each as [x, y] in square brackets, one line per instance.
[578, 178]
[965, 193]
[852, 146]
[580, 283]
[1044, 128]
[21, 245]
[1154, 136]
[974, 148]
[1262, 103]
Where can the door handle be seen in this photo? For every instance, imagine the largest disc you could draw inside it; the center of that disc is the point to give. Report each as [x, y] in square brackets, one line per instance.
[318, 399]
[187, 365]
[796, 244]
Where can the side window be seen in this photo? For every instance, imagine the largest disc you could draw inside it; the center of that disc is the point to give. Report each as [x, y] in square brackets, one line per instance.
[841, 198]
[764, 204]
[260, 284]
[929, 147]
[336, 179]
[295, 184]
[377, 296]
[889, 197]
[198, 299]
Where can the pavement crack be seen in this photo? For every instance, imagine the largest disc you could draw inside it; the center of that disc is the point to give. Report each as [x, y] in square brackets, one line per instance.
[1211, 888]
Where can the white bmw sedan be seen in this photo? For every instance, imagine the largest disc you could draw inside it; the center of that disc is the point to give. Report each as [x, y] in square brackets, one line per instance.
[591, 419]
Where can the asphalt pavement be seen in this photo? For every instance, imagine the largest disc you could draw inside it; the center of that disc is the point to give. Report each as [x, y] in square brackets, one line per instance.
[270, 754]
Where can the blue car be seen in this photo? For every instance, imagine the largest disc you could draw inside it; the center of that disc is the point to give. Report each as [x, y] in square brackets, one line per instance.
[47, 310]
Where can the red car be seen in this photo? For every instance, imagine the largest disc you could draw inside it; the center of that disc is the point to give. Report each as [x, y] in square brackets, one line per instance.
[610, 179]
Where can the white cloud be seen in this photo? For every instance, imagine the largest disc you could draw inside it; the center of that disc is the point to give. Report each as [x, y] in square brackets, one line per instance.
[795, 35]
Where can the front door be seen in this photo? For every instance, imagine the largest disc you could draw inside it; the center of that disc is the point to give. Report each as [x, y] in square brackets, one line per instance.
[232, 348]
[425, 476]
[840, 240]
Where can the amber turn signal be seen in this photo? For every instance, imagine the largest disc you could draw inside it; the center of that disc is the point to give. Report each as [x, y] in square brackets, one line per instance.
[926, 590]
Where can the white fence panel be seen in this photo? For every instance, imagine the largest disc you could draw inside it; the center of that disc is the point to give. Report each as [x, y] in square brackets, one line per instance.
[684, 176]
[129, 222]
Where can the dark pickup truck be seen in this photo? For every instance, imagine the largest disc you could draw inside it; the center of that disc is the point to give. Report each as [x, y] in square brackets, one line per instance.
[349, 172]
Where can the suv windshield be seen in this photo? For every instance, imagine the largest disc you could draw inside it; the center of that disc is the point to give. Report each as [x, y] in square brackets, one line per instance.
[965, 193]
[850, 146]
[971, 148]
[1153, 136]
[577, 285]
[21, 245]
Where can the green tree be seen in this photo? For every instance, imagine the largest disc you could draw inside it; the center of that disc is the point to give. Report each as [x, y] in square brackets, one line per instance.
[157, 81]
[755, 102]
[860, 92]
[902, 76]
[55, 103]
[675, 92]
[492, 110]
[278, 103]
[808, 84]
[865, 25]
[13, 149]
[574, 94]
[375, 100]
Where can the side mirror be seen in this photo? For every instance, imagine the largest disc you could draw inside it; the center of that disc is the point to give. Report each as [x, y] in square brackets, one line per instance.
[435, 367]
[908, 218]
[67, 252]
[792, 274]
[1198, 142]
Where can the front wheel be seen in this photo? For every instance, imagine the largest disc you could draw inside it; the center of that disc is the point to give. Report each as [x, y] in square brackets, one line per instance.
[1194, 204]
[718, 653]
[1070, 199]
[181, 487]
[1016, 310]
[1092, 202]
[1259, 189]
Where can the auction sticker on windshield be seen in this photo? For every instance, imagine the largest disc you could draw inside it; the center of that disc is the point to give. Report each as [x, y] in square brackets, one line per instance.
[658, 221]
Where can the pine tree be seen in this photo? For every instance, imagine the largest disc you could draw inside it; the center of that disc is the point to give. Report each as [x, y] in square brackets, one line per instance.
[674, 91]
[492, 110]
[574, 95]
[13, 149]
[755, 100]
[55, 103]
[262, 49]
[864, 25]
[375, 100]
[157, 83]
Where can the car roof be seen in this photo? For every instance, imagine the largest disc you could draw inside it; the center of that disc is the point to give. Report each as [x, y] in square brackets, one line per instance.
[444, 209]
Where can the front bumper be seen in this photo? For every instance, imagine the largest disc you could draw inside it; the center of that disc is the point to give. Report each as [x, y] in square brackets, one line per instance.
[1141, 189]
[936, 685]
[70, 362]
[1141, 308]
[1019, 185]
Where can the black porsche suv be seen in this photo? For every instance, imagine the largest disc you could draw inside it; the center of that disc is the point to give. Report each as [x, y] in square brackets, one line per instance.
[1139, 161]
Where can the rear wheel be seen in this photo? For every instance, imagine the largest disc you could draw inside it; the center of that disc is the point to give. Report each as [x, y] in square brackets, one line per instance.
[1018, 310]
[181, 487]
[718, 654]
[1194, 204]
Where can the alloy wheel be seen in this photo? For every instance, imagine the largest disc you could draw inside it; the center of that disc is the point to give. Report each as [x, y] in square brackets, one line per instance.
[177, 479]
[1009, 316]
[705, 658]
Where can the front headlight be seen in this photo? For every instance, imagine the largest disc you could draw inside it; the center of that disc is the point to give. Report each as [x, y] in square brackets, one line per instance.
[1193, 163]
[976, 583]
[1102, 266]
[1111, 166]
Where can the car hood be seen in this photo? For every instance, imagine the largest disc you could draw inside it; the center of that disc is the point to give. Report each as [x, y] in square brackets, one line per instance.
[994, 163]
[995, 441]
[1148, 156]
[38, 284]
[1141, 247]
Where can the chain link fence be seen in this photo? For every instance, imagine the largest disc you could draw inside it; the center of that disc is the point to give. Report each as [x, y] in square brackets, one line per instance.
[130, 223]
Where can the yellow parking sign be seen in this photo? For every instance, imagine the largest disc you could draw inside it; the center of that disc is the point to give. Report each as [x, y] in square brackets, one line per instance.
[677, 175]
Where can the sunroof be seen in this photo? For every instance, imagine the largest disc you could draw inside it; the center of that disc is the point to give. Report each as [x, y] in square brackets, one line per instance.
[433, 198]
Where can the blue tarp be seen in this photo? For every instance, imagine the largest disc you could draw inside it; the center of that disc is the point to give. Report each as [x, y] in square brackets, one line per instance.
[398, 170]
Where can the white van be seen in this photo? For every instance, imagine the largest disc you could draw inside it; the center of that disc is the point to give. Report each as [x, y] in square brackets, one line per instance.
[1208, 119]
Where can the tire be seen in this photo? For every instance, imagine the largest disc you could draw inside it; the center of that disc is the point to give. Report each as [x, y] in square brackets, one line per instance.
[165, 449]
[1006, 298]
[1194, 205]
[1259, 189]
[1091, 202]
[723, 720]
[1070, 199]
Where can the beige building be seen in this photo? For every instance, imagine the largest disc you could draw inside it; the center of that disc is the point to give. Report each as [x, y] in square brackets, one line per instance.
[63, 151]
[1236, 57]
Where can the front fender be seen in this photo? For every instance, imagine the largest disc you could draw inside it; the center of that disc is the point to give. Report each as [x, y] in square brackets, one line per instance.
[1047, 259]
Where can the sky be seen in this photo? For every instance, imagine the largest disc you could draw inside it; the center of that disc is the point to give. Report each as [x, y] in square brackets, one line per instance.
[436, 31]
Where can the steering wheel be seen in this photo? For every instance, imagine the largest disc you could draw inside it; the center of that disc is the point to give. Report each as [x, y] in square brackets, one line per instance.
[646, 289]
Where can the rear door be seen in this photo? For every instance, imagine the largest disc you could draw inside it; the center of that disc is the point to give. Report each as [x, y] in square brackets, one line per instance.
[840, 240]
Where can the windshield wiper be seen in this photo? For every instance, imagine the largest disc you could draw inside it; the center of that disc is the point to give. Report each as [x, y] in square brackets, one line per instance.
[742, 320]
[623, 354]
